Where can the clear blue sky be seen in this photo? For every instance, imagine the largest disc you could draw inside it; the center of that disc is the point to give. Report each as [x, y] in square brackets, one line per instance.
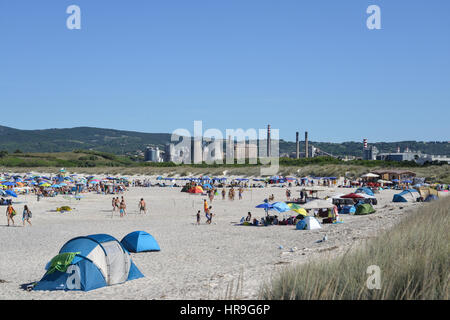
[154, 66]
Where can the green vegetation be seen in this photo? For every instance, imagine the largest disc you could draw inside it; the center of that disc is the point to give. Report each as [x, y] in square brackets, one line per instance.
[413, 258]
[121, 142]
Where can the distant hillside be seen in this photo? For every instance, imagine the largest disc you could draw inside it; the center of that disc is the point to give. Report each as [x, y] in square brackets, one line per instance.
[356, 148]
[63, 140]
[120, 142]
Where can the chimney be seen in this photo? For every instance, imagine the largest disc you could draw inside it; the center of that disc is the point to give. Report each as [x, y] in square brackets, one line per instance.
[365, 143]
[268, 141]
[297, 154]
[306, 145]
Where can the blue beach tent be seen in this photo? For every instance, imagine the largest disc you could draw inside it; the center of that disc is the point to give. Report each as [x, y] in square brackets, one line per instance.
[140, 241]
[406, 196]
[365, 190]
[89, 262]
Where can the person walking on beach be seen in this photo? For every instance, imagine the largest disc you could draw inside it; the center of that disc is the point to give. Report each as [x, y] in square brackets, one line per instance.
[142, 206]
[26, 215]
[209, 215]
[240, 193]
[122, 208]
[223, 193]
[10, 213]
[198, 217]
[113, 204]
[205, 205]
[211, 195]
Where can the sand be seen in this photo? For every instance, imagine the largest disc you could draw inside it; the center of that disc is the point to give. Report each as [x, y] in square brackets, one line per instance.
[214, 261]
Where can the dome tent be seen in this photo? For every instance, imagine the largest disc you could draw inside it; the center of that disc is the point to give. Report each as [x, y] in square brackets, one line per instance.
[140, 241]
[89, 262]
[308, 223]
[364, 208]
[410, 195]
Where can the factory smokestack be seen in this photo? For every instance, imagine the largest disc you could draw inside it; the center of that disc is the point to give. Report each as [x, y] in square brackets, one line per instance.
[268, 141]
[306, 145]
[297, 154]
[365, 143]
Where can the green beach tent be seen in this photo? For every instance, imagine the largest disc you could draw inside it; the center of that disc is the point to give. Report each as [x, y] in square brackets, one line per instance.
[363, 209]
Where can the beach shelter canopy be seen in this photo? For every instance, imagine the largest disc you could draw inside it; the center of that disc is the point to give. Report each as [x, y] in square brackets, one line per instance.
[308, 223]
[370, 175]
[352, 196]
[318, 204]
[140, 241]
[89, 262]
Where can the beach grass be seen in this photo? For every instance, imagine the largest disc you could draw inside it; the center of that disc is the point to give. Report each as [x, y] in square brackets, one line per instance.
[413, 258]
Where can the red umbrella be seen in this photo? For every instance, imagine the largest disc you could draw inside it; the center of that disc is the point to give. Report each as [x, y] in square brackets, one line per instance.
[352, 196]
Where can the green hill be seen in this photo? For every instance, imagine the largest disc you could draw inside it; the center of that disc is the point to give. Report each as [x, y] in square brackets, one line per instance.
[121, 142]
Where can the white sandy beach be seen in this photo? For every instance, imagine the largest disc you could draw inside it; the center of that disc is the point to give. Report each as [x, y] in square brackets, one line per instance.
[195, 262]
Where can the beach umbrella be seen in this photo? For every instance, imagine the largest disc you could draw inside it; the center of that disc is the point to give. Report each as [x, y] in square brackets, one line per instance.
[9, 184]
[295, 207]
[280, 207]
[55, 186]
[11, 193]
[207, 185]
[45, 184]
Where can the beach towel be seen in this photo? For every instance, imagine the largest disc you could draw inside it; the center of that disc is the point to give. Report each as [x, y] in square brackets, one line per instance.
[61, 262]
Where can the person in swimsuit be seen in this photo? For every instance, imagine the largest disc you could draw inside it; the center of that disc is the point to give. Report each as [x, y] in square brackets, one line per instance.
[10, 213]
[142, 206]
[198, 217]
[122, 208]
[26, 215]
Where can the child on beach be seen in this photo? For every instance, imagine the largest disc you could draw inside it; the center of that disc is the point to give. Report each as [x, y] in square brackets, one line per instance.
[26, 215]
[198, 217]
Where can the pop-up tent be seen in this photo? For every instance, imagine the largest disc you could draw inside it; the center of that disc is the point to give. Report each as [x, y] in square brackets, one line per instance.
[365, 190]
[89, 262]
[308, 223]
[410, 195]
[196, 189]
[364, 208]
[140, 241]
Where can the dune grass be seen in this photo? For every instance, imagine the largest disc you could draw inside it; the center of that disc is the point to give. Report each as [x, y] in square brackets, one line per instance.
[413, 258]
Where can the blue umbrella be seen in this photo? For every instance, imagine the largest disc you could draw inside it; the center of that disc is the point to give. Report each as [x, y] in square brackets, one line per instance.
[207, 185]
[266, 206]
[280, 206]
[9, 184]
[11, 193]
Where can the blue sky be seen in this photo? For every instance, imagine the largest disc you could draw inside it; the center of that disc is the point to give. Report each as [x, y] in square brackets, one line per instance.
[155, 66]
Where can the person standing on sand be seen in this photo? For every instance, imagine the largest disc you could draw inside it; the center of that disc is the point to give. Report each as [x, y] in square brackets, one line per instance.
[240, 193]
[223, 193]
[117, 203]
[10, 213]
[114, 204]
[205, 205]
[142, 206]
[122, 208]
[198, 217]
[26, 215]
